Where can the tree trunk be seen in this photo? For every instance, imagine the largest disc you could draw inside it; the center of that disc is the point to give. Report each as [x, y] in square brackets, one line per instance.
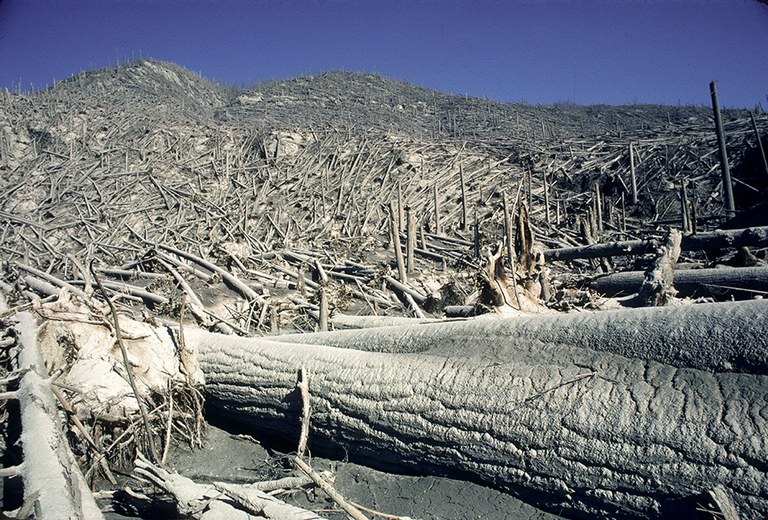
[570, 429]
[49, 469]
[721, 239]
[710, 336]
[744, 281]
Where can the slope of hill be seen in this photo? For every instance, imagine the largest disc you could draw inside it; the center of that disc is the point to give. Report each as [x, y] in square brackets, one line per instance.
[336, 144]
[142, 88]
[217, 204]
[367, 101]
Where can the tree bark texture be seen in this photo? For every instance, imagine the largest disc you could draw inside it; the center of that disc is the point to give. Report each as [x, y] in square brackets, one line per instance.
[571, 429]
[716, 337]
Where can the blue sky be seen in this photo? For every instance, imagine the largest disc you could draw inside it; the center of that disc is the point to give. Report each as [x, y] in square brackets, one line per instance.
[538, 51]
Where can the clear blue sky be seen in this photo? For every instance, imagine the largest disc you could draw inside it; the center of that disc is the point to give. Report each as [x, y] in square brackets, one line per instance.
[545, 51]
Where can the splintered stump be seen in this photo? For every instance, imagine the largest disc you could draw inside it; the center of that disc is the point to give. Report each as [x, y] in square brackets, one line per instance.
[496, 290]
[658, 287]
[525, 405]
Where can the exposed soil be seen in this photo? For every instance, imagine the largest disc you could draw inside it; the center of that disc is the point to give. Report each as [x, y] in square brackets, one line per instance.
[240, 458]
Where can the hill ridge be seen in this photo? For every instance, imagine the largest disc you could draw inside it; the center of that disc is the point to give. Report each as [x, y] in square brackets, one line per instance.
[366, 101]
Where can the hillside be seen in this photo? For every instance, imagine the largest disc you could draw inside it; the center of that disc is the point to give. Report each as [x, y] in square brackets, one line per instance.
[109, 162]
[158, 118]
[369, 102]
[348, 200]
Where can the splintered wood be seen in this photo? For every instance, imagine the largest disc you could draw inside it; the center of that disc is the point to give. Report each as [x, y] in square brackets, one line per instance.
[658, 287]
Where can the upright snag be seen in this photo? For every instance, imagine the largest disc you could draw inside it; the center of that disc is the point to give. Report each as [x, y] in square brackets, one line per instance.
[400, 207]
[530, 188]
[508, 235]
[546, 200]
[463, 224]
[598, 208]
[623, 214]
[730, 207]
[476, 238]
[410, 245]
[685, 220]
[437, 210]
[322, 280]
[401, 272]
[633, 174]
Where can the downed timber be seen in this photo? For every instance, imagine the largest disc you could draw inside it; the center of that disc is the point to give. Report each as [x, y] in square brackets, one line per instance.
[605, 249]
[148, 297]
[220, 501]
[720, 239]
[231, 280]
[40, 286]
[460, 311]
[715, 337]
[50, 279]
[745, 281]
[726, 239]
[584, 432]
[345, 321]
[52, 478]
[128, 273]
[405, 290]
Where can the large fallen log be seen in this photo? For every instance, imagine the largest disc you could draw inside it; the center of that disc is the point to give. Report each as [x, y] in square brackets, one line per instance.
[52, 478]
[692, 282]
[571, 429]
[715, 337]
[720, 239]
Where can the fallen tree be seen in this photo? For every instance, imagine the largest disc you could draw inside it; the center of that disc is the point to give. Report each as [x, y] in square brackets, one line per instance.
[570, 429]
[54, 486]
[218, 501]
[692, 282]
[527, 404]
[714, 337]
[720, 239]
